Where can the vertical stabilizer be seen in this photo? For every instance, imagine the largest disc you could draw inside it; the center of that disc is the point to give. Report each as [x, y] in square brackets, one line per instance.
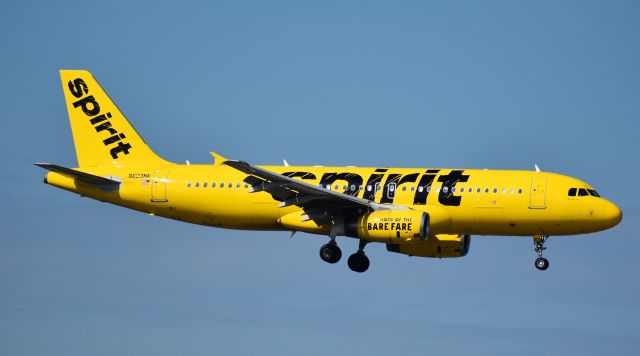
[101, 133]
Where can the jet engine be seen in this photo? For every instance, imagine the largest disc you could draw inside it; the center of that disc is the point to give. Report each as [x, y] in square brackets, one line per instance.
[390, 226]
[438, 246]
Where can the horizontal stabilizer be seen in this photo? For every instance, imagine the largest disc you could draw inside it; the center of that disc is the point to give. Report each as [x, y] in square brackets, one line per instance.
[81, 176]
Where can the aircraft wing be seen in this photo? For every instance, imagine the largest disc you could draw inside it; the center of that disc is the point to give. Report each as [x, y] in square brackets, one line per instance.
[319, 204]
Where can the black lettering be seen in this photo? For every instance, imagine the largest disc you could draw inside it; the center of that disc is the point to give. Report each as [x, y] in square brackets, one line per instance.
[450, 180]
[398, 179]
[100, 118]
[368, 226]
[353, 180]
[409, 226]
[106, 126]
[113, 139]
[371, 182]
[84, 103]
[78, 87]
[121, 147]
[420, 198]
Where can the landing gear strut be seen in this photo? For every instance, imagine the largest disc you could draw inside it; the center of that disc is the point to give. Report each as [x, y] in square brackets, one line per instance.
[330, 252]
[541, 262]
[359, 262]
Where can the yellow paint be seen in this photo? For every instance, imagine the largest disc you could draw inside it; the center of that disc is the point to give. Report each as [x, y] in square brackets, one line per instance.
[492, 202]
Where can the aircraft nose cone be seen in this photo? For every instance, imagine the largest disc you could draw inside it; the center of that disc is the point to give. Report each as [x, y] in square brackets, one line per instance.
[612, 214]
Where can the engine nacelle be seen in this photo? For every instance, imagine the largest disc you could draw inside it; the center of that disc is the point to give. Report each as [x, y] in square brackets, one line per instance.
[390, 226]
[439, 246]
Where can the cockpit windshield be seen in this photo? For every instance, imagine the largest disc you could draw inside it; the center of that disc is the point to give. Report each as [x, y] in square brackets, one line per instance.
[582, 192]
[594, 193]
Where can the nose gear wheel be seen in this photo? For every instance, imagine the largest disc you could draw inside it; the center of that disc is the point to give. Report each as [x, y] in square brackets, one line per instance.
[541, 263]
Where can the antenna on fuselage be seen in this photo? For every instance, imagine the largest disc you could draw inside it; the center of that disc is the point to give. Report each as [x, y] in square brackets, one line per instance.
[286, 164]
[537, 168]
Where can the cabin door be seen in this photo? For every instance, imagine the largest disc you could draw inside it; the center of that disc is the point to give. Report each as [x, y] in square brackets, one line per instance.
[538, 197]
[159, 186]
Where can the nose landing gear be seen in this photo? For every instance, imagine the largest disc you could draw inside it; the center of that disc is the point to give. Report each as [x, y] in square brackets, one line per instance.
[541, 262]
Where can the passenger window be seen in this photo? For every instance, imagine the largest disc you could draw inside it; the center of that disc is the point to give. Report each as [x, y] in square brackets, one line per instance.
[337, 187]
[470, 190]
[213, 185]
[328, 186]
[404, 189]
[428, 188]
[437, 189]
[204, 185]
[230, 185]
[573, 192]
[445, 189]
[413, 188]
[369, 188]
[353, 188]
[238, 185]
[188, 184]
[582, 192]
[197, 184]
[246, 185]
[420, 189]
[495, 190]
[594, 193]
[478, 190]
[221, 185]
[511, 191]
[486, 190]
[519, 190]
[504, 190]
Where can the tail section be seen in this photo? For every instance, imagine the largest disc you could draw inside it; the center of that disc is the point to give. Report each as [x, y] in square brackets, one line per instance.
[101, 133]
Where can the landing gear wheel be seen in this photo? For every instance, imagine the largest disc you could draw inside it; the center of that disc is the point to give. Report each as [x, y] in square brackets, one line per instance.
[542, 263]
[330, 252]
[358, 262]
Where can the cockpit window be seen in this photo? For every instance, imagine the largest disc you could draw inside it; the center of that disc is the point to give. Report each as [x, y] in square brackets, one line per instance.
[594, 193]
[582, 192]
[573, 192]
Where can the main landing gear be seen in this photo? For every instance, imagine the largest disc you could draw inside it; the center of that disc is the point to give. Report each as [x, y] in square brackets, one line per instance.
[330, 252]
[358, 262]
[541, 262]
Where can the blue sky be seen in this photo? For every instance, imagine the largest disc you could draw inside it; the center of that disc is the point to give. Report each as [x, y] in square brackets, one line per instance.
[419, 84]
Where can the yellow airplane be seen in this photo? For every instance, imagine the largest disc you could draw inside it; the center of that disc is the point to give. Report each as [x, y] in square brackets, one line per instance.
[427, 212]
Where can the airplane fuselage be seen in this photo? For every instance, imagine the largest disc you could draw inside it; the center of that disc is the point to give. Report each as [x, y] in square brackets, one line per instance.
[477, 202]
